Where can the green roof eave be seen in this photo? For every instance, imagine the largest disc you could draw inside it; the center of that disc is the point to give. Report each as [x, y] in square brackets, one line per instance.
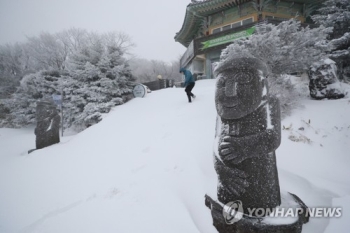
[197, 11]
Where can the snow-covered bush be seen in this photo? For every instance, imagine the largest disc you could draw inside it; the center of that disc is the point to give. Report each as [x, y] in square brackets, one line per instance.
[11, 68]
[286, 48]
[94, 77]
[336, 14]
[4, 113]
[33, 87]
[286, 91]
[102, 80]
[341, 55]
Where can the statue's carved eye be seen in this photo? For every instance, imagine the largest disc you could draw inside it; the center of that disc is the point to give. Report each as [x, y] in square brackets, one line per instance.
[241, 76]
[220, 82]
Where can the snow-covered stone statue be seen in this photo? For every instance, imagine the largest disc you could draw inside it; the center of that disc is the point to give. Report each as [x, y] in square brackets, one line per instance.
[48, 124]
[248, 131]
[324, 82]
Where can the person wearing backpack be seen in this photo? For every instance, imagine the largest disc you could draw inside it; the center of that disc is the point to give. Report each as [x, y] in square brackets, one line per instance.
[189, 83]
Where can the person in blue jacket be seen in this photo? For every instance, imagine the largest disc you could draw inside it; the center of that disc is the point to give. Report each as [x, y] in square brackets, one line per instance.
[189, 83]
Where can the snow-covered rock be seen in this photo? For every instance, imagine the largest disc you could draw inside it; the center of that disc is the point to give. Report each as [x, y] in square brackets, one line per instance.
[324, 82]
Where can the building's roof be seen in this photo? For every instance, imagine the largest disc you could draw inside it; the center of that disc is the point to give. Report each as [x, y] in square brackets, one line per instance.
[197, 10]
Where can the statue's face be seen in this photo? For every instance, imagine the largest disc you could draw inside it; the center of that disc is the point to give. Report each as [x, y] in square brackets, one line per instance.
[44, 111]
[238, 93]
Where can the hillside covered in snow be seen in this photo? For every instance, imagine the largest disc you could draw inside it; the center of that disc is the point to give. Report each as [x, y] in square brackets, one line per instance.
[148, 164]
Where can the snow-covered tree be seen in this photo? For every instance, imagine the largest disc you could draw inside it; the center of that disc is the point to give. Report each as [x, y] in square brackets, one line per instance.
[48, 51]
[286, 48]
[104, 79]
[33, 87]
[341, 55]
[336, 14]
[90, 68]
[148, 70]
[11, 68]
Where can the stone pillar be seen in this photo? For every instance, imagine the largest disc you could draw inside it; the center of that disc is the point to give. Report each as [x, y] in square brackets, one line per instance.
[48, 124]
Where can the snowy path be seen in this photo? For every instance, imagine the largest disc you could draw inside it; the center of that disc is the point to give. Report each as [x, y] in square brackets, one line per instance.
[148, 164]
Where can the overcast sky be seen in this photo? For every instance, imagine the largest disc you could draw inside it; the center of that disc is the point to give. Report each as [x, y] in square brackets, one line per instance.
[152, 24]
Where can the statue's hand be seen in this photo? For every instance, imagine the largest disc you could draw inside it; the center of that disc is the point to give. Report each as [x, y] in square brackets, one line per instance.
[232, 179]
[232, 149]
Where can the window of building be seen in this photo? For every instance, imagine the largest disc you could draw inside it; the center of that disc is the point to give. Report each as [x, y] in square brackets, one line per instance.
[216, 30]
[234, 25]
[247, 21]
[276, 18]
[226, 27]
[281, 19]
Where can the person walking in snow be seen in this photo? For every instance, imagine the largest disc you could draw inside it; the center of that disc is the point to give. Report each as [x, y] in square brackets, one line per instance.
[189, 83]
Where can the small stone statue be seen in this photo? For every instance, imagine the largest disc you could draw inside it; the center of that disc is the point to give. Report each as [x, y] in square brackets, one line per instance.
[248, 131]
[48, 124]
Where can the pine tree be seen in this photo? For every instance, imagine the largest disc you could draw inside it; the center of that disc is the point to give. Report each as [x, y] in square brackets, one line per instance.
[104, 81]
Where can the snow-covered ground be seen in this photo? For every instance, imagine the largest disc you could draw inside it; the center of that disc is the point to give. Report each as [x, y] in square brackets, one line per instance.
[147, 166]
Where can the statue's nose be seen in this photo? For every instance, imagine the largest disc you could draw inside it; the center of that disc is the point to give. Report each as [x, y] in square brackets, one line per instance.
[231, 88]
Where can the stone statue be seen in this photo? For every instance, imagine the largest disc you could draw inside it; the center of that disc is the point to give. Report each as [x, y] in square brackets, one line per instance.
[48, 124]
[248, 131]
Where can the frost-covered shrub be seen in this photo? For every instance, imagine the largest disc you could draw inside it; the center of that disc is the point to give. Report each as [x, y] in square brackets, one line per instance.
[89, 68]
[102, 79]
[91, 114]
[285, 90]
[346, 74]
[336, 14]
[33, 88]
[341, 55]
[285, 48]
[4, 113]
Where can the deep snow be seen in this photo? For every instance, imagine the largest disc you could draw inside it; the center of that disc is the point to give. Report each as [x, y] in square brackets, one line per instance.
[147, 166]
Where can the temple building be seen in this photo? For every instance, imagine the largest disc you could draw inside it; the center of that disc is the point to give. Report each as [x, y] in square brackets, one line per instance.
[211, 25]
